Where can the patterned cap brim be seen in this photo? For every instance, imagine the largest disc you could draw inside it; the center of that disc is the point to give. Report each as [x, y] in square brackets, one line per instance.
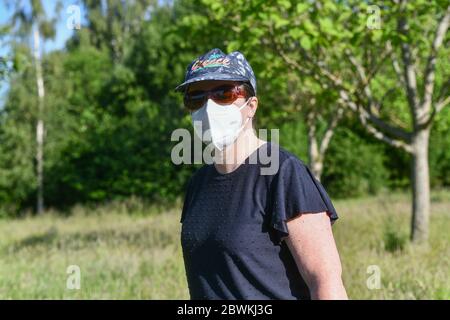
[212, 76]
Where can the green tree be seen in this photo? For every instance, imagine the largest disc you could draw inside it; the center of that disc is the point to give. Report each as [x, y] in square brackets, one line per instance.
[113, 23]
[342, 46]
[30, 19]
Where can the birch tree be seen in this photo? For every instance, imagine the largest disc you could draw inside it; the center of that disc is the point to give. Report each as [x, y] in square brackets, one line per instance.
[30, 19]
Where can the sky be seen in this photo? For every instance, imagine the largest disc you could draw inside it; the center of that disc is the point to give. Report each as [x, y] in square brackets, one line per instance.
[62, 31]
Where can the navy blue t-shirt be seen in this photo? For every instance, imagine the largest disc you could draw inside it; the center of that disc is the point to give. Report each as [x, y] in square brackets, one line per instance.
[233, 225]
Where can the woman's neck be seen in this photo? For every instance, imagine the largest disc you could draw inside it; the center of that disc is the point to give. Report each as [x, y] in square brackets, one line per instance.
[234, 155]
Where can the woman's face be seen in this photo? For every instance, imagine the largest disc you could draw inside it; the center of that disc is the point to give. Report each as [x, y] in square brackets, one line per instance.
[247, 112]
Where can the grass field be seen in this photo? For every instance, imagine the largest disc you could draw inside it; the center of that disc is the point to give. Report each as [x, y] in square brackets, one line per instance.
[138, 255]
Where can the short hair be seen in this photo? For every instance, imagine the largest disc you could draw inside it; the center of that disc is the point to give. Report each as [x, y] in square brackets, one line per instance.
[249, 92]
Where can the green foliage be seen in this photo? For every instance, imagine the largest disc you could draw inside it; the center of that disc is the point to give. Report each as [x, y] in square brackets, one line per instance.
[110, 107]
[3, 68]
[17, 179]
[108, 116]
[440, 151]
[293, 138]
[353, 166]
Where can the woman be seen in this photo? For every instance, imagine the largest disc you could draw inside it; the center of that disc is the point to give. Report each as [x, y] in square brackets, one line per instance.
[248, 235]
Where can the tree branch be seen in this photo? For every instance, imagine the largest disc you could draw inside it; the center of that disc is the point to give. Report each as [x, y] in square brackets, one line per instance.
[444, 91]
[334, 120]
[290, 62]
[442, 104]
[398, 132]
[395, 64]
[436, 109]
[362, 75]
[365, 76]
[345, 94]
[381, 136]
[408, 65]
[373, 72]
[430, 69]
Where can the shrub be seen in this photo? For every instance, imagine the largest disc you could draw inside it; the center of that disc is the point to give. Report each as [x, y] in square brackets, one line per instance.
[353, 166]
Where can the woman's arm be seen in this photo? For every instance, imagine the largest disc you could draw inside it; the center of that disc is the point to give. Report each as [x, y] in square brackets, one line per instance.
[312, 245]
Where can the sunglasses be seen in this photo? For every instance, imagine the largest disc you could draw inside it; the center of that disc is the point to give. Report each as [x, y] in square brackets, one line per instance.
[225, 94]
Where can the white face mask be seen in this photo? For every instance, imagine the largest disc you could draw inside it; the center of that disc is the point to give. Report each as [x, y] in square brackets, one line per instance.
[220, 124]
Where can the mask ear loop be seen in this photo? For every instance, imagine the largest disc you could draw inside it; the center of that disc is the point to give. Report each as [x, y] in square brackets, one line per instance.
[240, 108]
[245, 104]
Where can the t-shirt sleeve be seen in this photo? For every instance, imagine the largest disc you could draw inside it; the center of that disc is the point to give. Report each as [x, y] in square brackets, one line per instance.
[296, 191]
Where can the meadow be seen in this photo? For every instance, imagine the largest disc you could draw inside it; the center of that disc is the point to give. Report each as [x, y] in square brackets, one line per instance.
[130, 250]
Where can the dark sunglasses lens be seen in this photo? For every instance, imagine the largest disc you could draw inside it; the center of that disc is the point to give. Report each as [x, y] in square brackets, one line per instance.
[194, 101]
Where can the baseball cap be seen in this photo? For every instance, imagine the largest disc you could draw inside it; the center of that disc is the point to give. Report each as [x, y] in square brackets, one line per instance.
[216, 65]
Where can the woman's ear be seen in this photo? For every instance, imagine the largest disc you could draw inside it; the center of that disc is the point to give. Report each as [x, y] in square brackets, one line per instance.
[253, 105]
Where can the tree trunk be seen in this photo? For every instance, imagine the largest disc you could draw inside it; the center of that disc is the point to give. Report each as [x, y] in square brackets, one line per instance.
[421, 187]
[314, 157]
[40, 129]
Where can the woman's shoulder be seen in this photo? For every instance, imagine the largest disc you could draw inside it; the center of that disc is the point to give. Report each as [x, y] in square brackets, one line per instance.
[286, 159]
[199, 173]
